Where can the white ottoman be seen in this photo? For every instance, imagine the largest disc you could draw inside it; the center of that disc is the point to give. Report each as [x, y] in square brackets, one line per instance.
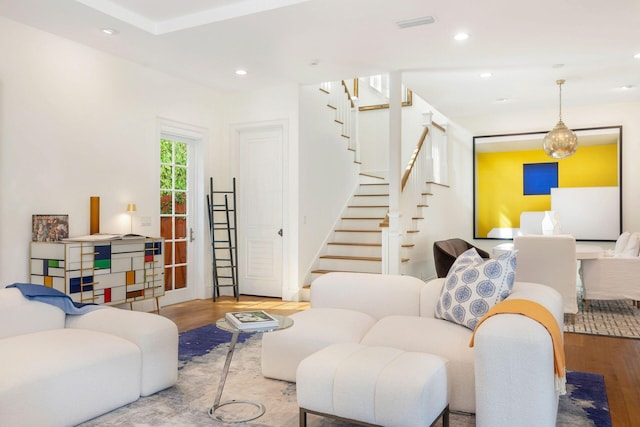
[374, 386]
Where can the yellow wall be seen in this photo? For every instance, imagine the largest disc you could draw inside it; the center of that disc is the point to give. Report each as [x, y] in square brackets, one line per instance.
[500, 198]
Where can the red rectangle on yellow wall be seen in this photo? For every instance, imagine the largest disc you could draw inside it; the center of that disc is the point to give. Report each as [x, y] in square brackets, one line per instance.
[131, 277]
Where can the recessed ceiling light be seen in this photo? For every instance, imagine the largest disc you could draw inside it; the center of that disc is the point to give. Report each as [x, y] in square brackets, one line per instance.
[502, 99]
[241, 72]
[109, 31]
[637, 56]
[627, 87]
[486, 75]
[461, 36]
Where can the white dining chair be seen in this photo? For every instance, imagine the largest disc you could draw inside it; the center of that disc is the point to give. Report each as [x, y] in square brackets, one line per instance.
[549, 260]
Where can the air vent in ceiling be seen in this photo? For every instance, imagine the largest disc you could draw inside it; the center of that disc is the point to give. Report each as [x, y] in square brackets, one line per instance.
[414, 22]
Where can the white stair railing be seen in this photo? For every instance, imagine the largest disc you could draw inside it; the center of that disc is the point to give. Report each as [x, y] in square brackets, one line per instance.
[426, 165]
[346, 113]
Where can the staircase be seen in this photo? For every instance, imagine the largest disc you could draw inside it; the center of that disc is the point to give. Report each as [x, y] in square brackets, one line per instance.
[355, 244]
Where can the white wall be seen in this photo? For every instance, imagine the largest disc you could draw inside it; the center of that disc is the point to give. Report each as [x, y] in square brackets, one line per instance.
[75, 123]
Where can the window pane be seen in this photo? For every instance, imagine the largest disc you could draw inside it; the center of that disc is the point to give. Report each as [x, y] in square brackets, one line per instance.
[181, 153]
[165, 228]
[181, 178]
[168, 279]
[165, 203]
[166, 151]
[168, 253]
[181, 252]
[166, 177]
[180, 203]
[181, 228]
[181, 277]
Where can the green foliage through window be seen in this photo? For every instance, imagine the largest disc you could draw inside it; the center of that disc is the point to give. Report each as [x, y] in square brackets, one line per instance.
[173, 176]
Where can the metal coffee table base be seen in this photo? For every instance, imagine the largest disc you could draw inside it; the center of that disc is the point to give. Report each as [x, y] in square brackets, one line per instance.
[214, 408]
[217, 404]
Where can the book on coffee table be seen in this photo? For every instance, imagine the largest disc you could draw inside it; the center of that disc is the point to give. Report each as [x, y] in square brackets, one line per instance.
[256, 319]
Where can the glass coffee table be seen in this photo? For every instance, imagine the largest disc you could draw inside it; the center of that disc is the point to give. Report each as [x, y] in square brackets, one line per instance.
[283, 323]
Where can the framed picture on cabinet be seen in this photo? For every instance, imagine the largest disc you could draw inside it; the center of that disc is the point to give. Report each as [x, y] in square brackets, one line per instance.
[49, 228]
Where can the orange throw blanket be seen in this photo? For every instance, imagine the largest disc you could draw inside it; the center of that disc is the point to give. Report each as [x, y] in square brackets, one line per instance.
[543, 316]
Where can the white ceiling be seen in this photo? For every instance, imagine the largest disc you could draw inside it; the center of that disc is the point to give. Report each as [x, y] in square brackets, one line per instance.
[527, 46]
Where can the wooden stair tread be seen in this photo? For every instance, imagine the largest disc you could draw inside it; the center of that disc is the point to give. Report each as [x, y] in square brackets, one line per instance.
[437, 183]
[351, 258]
[371, 176]
[357, 258]
[364, 218]
[354, 244]
[336, 271]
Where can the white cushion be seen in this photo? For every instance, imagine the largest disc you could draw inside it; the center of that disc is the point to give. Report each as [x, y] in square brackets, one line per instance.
[433, 336]
[312, 330]
[19, 315]
[473, 286]
[377, 295]
[376, 385]
[621, 243]
[156, 337]
[632, 247]
[65, 376]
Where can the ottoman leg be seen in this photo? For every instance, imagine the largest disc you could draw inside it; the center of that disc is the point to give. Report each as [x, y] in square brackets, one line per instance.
[445, 418]
[303, 418]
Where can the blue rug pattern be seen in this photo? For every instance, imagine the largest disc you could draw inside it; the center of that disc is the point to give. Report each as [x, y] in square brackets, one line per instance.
[200, 341]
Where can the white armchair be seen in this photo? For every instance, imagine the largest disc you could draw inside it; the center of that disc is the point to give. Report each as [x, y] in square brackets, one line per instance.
[616, 276]
[549, 260]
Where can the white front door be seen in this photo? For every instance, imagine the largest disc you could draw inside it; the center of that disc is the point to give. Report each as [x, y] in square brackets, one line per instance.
[261, 211]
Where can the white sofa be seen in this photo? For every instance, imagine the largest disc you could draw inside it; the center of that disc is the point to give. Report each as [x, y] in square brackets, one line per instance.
[616, 276]
[506, 379]
[60, 370]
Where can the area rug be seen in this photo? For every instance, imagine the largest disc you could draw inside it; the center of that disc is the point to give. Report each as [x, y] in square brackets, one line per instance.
[616, 318]
[202, 354]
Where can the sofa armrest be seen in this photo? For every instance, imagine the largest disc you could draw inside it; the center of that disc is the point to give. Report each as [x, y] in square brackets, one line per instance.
[514, 372]
[156, 336]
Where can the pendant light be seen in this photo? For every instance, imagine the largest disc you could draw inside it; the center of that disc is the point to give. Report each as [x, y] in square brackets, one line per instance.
[561, 142]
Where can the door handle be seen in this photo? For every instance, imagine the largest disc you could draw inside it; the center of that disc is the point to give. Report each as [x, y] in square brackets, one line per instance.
[280, 232]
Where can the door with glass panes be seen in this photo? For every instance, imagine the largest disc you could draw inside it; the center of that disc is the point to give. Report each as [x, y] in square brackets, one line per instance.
[175, 212]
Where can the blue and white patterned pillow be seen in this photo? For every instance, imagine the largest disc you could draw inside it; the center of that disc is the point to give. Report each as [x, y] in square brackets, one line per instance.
[474, 285]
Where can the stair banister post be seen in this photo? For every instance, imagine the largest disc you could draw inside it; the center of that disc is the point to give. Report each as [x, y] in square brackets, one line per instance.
[428, 149]
[395, 171]
[355, 132]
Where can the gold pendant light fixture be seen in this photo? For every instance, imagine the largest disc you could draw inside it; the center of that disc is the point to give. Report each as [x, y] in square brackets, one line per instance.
[561, 142]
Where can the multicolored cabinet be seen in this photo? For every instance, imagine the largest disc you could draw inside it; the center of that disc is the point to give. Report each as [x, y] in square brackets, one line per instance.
[103, 272]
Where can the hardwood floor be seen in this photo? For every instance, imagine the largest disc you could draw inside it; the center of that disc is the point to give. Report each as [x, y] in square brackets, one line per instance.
[618, 359]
